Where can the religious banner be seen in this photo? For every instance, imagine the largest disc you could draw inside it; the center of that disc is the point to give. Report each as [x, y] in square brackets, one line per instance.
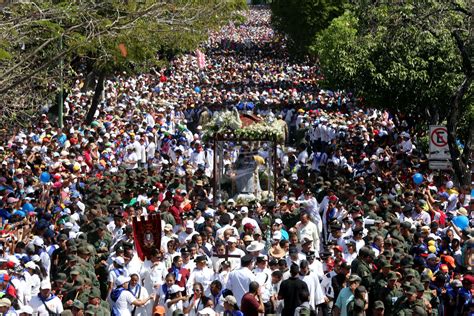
[147, 234]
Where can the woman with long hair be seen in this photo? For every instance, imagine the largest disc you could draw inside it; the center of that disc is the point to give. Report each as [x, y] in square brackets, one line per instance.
[230, 307]
[197, 301]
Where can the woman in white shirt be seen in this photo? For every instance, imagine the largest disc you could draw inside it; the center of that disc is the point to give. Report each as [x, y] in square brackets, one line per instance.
[175, 300]
[123, 300]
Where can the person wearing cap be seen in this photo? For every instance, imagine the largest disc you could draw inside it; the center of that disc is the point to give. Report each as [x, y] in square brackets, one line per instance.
[77, 308]
[346, 295]
[6, 307]
[175, 299]
[25, 311]
[364, 270]
[118, 269]
[263, 276]
[123, 301]
[46, 303]
[96, 304]
[200, 274]
[244, 210]
[406, 303]
[390, 293]
[38, 243]
[278, 226]
[231, 307]
[379, 308]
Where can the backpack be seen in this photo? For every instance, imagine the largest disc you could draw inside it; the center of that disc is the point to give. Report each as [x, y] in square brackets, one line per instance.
[306, 311]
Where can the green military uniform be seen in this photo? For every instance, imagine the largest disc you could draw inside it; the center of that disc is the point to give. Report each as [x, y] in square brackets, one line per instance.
[365, 272]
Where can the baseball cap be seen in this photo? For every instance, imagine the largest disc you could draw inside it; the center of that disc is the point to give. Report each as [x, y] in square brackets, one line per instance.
[229, 299]
[121, 280]
[175, 289]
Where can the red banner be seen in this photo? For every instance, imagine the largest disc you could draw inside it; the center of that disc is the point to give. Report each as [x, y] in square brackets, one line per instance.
[147, 234]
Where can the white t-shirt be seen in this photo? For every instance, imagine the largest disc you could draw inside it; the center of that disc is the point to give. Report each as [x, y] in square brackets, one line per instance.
[124, 303]
[53, 303]
[174, 307]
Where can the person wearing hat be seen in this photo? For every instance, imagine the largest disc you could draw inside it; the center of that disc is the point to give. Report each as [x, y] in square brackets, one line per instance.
[390, 293]
[39, 246]
[346, 295]
[77, 308]
[118, 269]
[25, 310]
[96, 304]
[364, 270]
[201, 274]
[46, 303]
[406, 303]
[244, 210]
[6, 307]
[379, 308]
[231, 307]
[123, 301]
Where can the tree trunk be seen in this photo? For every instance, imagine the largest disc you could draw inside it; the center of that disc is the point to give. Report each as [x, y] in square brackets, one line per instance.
[460, 162]
[99, 87]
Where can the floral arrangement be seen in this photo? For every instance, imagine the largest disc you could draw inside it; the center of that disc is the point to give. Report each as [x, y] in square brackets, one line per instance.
[228, 124]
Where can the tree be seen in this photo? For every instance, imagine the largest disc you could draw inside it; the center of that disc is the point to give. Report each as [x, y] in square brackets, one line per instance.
[412, 57]
[95, 37]
[300, 20]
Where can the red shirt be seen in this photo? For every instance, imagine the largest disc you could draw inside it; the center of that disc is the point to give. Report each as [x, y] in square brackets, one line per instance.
[183, 276]
[249, 305]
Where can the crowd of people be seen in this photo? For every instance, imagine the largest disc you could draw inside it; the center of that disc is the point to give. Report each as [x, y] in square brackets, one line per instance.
[347, 231]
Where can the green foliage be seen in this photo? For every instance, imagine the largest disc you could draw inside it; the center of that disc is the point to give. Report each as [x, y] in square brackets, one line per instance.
[300, 20]
[401, 57]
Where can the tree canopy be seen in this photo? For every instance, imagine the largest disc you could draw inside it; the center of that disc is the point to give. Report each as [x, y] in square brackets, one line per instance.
[410, 57]
[95, 37]
[301, 20]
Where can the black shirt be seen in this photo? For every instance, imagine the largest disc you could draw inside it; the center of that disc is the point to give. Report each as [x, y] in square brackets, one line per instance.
[290, 290]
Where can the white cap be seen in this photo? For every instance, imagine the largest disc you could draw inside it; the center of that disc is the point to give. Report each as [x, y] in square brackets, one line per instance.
[230, 201]
[38, 242]
[175, 289]
[232, 239]
[30, 265]
[276, 235]
[120, 261]
[121, 280]
[45, 285]
[244, 209]
[278, 221]
[36, 258]
[26, 309]
[449, 184]
[190, 224]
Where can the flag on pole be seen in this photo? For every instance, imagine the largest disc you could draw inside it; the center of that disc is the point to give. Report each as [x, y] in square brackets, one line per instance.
[201, 59]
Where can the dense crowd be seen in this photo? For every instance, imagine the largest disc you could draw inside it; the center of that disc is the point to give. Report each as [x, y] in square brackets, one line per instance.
[348, 232]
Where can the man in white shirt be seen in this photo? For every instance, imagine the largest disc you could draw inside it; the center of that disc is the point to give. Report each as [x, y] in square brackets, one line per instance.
[201, 274]
[239, 280]
[307, 228]
[46, 303]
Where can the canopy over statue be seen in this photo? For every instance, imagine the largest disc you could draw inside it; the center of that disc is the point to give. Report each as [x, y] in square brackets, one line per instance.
[244, 155]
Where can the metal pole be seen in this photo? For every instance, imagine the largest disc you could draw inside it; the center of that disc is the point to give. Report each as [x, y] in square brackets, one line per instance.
[61, 85]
